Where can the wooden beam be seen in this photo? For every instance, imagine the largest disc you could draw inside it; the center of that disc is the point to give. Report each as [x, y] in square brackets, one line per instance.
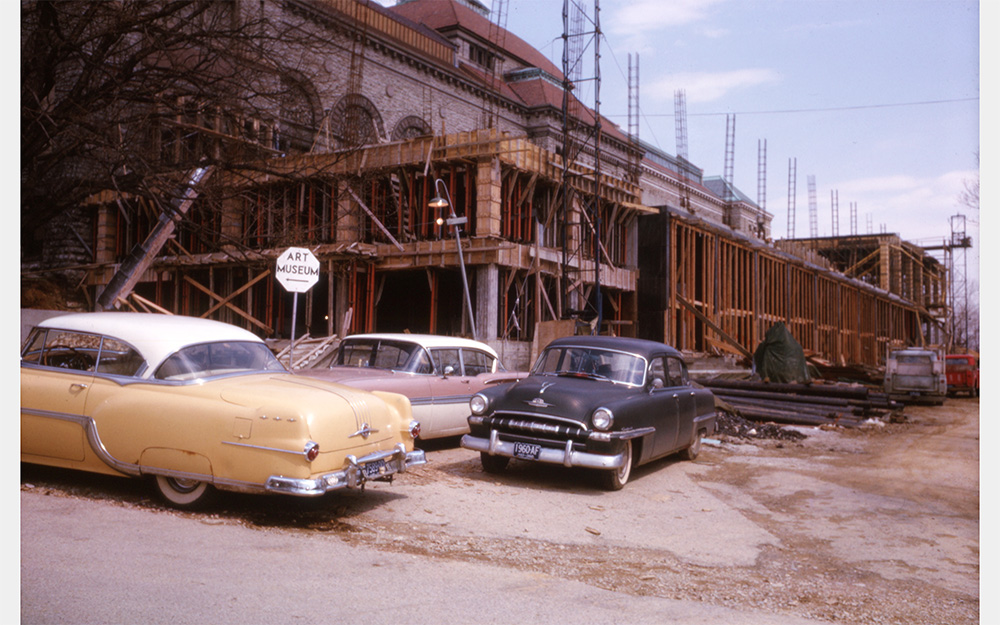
[148, 305]
[697, 313]
[529, 188]
[378, 223]
[237, 292]
[234, 308]
[600, 244]
[850, 270]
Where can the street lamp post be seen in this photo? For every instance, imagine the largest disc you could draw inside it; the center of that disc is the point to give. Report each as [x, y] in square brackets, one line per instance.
[439, 202]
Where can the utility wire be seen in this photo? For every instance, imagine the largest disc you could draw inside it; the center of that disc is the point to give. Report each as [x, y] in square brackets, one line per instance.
[817, 110]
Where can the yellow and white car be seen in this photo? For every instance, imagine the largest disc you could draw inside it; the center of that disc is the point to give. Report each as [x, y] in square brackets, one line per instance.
[197, 404]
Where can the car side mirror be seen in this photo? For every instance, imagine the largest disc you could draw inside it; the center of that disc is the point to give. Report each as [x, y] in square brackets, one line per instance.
[656, 384]
[448, 370]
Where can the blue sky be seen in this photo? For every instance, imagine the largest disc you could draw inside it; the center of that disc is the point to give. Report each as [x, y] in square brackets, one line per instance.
[878, 100]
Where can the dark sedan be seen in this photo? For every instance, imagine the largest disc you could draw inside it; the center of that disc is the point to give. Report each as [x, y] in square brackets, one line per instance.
[599, 402]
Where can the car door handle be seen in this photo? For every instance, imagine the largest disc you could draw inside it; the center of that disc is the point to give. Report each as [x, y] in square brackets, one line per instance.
[77, 386]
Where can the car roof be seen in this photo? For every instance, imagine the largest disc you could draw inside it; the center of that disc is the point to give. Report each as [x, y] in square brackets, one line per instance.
[642, 347]
[915, 350]
[427, 340]
[156, 336]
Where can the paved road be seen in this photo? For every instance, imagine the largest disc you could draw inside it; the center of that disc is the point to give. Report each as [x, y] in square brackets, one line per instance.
[85, 561]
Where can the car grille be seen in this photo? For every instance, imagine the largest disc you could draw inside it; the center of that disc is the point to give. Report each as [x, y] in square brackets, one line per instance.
[535, 426]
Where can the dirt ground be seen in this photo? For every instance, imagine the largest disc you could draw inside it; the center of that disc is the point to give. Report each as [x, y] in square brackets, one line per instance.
[872, 525]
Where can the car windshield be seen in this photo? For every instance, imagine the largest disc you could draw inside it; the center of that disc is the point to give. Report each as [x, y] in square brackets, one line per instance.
[380, 354]
[599, 364]
[210, 359]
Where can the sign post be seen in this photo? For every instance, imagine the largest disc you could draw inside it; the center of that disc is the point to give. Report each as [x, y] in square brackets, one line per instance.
[297, 270]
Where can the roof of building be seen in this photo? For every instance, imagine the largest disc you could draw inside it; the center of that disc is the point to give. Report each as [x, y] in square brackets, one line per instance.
[445, 15]
[531, 90]
[726, 190]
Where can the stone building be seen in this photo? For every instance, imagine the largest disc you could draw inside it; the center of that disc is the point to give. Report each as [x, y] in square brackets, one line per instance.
[385, 109]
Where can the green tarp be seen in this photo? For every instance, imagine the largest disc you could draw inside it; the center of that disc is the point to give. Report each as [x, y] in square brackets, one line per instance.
[779, 357]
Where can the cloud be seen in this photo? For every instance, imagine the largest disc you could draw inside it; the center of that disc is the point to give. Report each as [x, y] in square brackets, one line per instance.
[903, 191]
[635, 17]
[708, 86]
[918, 209]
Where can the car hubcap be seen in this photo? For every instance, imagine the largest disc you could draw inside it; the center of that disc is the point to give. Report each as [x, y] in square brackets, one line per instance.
[182, 485]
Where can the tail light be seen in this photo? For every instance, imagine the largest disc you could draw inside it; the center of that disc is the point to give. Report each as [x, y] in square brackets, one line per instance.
[311, 451]
[414, 429]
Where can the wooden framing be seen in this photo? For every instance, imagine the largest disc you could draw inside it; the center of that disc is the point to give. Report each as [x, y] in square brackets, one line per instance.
[723, 291]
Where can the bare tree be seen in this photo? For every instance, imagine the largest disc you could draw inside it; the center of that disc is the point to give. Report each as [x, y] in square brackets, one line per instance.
[125, 95]
[966, 307]
[966, 313]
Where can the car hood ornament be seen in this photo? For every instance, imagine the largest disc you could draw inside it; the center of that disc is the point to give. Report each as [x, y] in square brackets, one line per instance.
[364, 432]
[538, 402]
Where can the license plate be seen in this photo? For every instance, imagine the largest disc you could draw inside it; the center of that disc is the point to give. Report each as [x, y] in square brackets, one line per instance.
[527, 451]
[374, 469]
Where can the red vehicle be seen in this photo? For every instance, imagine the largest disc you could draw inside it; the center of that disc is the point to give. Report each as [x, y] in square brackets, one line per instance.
[963, 374]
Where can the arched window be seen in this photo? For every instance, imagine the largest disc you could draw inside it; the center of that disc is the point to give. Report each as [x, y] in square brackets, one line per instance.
[298, 115]
[410, 128]
[355, 121]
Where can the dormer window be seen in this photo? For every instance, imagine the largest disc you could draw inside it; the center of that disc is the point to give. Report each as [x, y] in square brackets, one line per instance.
[482, 57]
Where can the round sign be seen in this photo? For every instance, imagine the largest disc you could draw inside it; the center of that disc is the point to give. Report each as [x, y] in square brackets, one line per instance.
[297, 270]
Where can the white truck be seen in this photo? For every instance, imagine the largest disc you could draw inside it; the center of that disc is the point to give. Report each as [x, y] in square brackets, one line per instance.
[916, 374]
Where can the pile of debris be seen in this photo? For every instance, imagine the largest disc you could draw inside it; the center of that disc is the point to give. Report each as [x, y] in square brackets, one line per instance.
[853, 373]
[308, 352]
[847, 405]
[728, 422]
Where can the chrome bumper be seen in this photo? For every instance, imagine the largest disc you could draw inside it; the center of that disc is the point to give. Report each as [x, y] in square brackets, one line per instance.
[565, 456]
[351, 476]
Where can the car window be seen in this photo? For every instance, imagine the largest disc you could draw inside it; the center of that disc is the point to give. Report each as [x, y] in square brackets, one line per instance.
[677, 372]
[355, 354]
[444, 358]
[119, 358]
[32, 352]
[393, 355]
[208, 359]
[476, 362]
[658, 371]
[63, 349]
[421, 363]
[599, 364]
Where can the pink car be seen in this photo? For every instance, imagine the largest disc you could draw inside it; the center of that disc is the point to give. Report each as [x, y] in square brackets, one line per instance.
[438, 373]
